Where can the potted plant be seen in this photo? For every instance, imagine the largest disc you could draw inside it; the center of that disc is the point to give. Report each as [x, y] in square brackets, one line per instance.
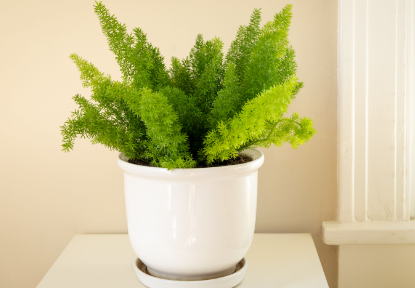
[186, 137]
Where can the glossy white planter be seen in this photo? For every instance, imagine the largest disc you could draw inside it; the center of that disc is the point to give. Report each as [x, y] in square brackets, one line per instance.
[191, 224]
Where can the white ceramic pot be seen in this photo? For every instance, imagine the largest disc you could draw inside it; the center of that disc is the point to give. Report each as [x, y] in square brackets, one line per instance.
[191, 224]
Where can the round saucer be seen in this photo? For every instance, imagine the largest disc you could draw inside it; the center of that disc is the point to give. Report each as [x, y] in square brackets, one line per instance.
[229, 281]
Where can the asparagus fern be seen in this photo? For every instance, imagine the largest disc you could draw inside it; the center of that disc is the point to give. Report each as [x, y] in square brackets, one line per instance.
[207, 107]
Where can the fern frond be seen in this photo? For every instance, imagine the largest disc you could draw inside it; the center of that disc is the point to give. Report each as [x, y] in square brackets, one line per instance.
[181, 75]
[189, 115]
[109, 121]
[90, 75]
[225, 141]
[206, 59]
[243, 44]
[119, 40]
[140, 62]
[168, 145]
[226, 104]
[148, 64]
[263, 69]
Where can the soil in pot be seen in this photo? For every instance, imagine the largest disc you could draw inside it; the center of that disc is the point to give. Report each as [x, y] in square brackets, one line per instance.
[240, 159]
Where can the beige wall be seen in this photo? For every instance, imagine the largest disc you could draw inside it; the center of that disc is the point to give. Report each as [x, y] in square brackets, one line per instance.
[376, 266]
[47, 196]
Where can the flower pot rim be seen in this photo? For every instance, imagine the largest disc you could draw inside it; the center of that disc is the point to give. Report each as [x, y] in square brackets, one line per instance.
[219, 171]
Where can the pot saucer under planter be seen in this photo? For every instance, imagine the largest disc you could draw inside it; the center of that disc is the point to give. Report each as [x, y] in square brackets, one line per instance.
[193, 224]
[229, 281]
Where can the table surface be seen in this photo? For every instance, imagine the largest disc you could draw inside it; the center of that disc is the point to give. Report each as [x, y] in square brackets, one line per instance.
[106, 261]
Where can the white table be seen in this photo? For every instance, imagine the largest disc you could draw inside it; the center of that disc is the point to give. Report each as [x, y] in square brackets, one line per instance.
[106, 261]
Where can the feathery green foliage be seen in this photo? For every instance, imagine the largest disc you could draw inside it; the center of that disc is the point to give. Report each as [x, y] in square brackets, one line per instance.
[206, 108]
[207, 71]
[140, 62]
[168, 146]
[241, 48]
[261, 120]
[225, 105]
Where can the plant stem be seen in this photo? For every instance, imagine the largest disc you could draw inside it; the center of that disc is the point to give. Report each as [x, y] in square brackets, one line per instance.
[259, 140]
